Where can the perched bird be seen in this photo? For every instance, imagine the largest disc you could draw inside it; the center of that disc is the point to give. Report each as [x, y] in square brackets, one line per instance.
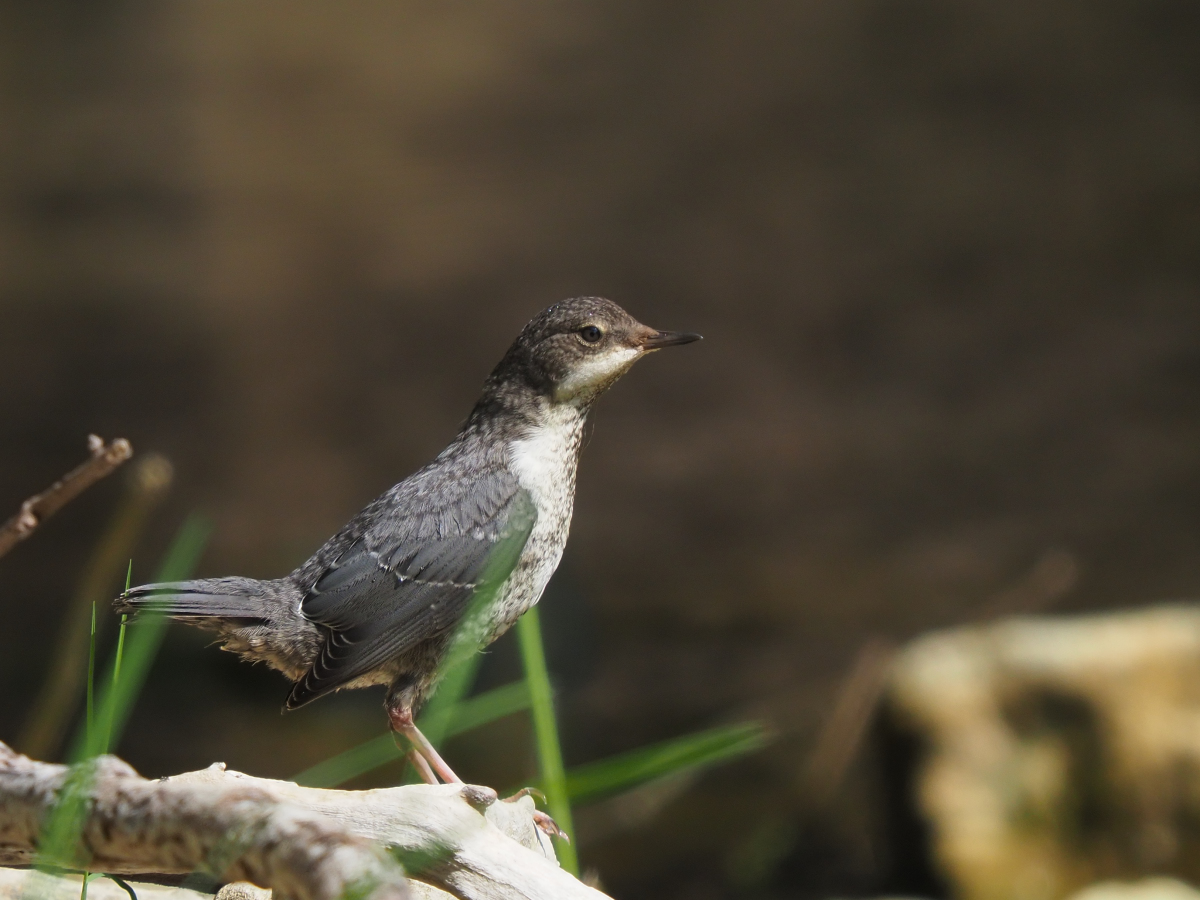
[380, 602]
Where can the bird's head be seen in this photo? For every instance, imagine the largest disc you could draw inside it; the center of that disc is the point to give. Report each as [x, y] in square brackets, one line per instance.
[575, 350]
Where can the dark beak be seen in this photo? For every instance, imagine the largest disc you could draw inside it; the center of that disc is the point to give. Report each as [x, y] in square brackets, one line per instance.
[659, 339]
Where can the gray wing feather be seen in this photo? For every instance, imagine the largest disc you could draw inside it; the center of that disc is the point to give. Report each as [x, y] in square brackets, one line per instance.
[411, 575]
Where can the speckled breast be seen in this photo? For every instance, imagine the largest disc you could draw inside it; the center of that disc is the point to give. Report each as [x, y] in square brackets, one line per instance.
[545, 461]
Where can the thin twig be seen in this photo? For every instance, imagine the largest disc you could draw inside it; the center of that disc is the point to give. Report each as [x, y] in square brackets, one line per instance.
[843, 732]
[1053, 577]
[37, 509]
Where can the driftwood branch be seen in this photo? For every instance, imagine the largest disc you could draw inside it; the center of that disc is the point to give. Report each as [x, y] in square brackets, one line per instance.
[304, 843]
[242, 834]
[37, 509]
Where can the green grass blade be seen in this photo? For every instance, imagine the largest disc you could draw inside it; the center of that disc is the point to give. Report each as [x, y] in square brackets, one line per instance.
[48, 722]
[132, 662]
[356, 761]
[549, 751]
[105, 741]
[60, 836]
[488, 707]
[458, 674]
[440, 710]
[627, 770]
[102, 742]
[462, 660]
[91, 687]
[458, 669]
[469, 714]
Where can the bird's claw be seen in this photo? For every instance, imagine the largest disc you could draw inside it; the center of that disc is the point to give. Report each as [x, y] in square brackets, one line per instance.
[540, 819]
[549, 826]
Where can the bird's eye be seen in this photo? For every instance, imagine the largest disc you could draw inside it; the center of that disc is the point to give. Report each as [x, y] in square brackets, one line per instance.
[591, 333]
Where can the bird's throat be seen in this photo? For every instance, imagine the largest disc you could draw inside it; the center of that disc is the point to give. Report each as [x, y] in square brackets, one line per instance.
[546, 454]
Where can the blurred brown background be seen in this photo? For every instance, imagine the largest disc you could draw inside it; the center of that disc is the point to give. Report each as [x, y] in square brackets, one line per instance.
[945, 257]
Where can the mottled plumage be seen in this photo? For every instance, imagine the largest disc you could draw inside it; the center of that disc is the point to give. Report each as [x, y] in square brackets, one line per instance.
[380, 601]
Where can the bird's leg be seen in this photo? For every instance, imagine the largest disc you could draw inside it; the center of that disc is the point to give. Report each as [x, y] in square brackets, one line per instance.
[421, 766]
[417, 760]
[402, 723]
[422, 746]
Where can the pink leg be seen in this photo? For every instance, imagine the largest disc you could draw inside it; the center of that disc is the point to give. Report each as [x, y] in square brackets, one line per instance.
[422, 767]
[402, 723]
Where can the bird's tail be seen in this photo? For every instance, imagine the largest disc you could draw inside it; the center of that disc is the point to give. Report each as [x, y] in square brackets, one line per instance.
[226, 598]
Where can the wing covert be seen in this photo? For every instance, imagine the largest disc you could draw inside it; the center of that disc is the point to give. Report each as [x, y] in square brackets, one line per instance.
[411, 577]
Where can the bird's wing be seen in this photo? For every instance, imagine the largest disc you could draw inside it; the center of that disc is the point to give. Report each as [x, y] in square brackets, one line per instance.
[411, 576]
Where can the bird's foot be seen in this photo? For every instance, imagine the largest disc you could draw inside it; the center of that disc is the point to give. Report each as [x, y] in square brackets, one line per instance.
[540, 819]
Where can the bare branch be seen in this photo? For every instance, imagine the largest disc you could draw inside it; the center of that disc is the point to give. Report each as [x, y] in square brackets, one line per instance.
[37, 509]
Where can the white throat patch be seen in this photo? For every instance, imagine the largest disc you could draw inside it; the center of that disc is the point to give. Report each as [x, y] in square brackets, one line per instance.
[597, 373]
[544, 459]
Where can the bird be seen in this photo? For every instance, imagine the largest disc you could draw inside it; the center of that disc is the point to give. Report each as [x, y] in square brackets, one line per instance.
[383, 600]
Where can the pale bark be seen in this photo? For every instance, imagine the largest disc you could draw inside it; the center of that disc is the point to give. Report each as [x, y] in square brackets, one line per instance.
[305, 843]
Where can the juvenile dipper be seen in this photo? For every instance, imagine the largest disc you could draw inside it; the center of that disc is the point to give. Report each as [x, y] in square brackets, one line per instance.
[379, 603]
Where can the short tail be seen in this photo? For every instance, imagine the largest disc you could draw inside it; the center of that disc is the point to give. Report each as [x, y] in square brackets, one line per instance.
[232, 598]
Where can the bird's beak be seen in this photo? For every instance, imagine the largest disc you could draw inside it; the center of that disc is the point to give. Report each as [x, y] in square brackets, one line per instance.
[656, 340]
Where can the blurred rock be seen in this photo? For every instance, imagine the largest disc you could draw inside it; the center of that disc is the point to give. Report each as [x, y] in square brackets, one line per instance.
[1058, 752]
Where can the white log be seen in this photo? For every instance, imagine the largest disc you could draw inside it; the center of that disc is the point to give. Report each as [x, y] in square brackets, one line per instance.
[298, 841]
[24, 884]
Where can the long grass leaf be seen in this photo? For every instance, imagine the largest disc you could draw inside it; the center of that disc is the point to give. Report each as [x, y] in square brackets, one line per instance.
[105, 740]
[337, 770]
[488, 707]
[462, 660]
[545, 728]
[627, 770]
[132, 663]
[91, 685]
[49, 719]
[58, 844]
[439, 712]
